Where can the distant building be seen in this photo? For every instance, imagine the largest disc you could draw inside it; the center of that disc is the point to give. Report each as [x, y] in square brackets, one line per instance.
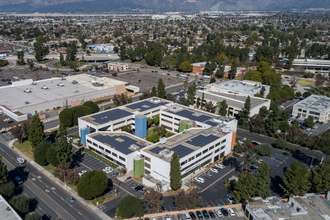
[309, 206]
[62, 50]
[243, 88]
[313, 65]
[5, 48]
[199, 68]
[118, 66]
[314, 105]
[7, 212]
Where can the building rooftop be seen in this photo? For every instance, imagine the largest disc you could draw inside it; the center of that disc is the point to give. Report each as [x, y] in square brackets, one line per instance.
[6, 211]
[120, 141]
[244, 86]
[87, 80]
[305, 207]
[316, 103]
[232, 100]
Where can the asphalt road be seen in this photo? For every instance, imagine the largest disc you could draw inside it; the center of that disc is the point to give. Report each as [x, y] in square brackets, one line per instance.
[51, 199]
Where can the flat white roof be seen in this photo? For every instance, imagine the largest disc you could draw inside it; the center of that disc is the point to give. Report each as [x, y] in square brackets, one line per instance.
[6, 211]
[248, 87]
[315, 103]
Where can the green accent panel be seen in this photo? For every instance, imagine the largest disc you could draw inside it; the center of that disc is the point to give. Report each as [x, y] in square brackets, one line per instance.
[183, 126]
[139, 167]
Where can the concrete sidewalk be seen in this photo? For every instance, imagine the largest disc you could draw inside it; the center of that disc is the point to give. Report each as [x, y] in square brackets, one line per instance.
[89, 205]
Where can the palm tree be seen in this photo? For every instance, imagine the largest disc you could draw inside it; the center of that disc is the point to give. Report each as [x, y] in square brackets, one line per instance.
[185, 84]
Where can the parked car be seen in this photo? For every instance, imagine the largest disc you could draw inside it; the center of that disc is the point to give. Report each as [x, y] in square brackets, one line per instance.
[71, 199]
[315, 127]
[253, 166]
[230, 199]
[212, 214]
[81, 173]
[192, 215]
[199, 215]
[214, 170]
[218, 213]
[224, 212]
[180, 217]
[231, 212]
[206, 214]
[247, 170]
[186, 216]
[138, 188]
[167, 217]
[208, 174]
[134, 185]
[200, 179]
[219, 166]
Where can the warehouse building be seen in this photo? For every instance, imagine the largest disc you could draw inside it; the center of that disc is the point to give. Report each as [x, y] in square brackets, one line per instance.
[314, 105]
[27, 97]
[199, 139]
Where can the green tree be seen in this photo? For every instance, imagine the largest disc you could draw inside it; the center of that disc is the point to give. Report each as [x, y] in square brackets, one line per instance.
[77, 112]
[296, 180]
[309, 122]
[198, 102]
[94, 106]
[36, 131]
[245, 187]
[66, 117]
[212, 80]
[175, 173]
[186, 67]
[127, 128]
[202, 102]
[7, 189]
[221, 68]
[20, 203]
[161, 89]
[33, 216]
[263, 112]
[153, 92]
[321, 177]
[245, 114]
[222, 106]
[40, 153]
[191, 94]
[31, 64]
[63, 148]
[3, 172]
[185, 84]
[152, 137]
[20, 58]
[52, 156]
[265, 149]
[281, 143]
[233, 70]
[129, 207]
[62, 62]
[92, 184]
[263, 180]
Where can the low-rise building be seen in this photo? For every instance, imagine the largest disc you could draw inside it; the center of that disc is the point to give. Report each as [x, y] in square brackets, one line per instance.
[199, 139]
[314, 105]
[309, 206]
[118, 66]
[199, 68]
[7, 212]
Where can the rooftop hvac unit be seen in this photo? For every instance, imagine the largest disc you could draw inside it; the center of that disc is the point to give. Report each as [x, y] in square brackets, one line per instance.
[225, 129]
[162, 140]
[134, 146]
[191, 107]
[185, 131]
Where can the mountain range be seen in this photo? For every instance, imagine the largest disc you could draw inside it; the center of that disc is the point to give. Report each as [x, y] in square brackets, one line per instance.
[156, 5]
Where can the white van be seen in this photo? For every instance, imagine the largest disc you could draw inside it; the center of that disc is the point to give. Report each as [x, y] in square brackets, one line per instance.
[186, 216]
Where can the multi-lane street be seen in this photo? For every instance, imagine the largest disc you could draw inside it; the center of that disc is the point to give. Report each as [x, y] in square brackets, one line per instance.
[50, 199]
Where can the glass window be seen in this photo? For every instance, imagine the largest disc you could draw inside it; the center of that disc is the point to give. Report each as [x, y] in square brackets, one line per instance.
[102, 148]
[107, 151]
[299, 110]
[211, 148]
[114, 154]
[223, 147]
[183, 163]
[197, 155]
[205, 151]
[191, 158]
[147, 165]
[147, 158]
[123, 159]
[88, 141]
[223, 141]
[217, 150]
[146, 172]
[217, 144]
[95, 144]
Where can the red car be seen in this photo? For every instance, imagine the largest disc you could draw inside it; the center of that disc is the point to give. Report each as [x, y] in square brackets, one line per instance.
[88, 54]
[247, 170]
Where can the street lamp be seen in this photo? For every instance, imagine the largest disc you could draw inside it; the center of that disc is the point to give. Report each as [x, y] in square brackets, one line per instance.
[64, 178]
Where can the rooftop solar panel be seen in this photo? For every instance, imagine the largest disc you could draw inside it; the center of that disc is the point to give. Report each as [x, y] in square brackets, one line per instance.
[121, 146]
[211, 123]
[202, 140]
[182, 150]
[141, 105]
[190, 115]
[110, 115]
[156, 150]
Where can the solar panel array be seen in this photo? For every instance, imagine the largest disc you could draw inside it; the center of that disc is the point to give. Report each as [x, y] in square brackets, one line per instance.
[182, 150]
[156, 150]
[189, 114]
[119, 146]
[110, 115]
[211, 123]
[140, 104]
[202, 140]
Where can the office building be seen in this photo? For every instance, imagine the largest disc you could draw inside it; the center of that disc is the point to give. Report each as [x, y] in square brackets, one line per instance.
[199, 138]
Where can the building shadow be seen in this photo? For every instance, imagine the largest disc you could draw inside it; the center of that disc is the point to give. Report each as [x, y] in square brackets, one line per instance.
[275, 187]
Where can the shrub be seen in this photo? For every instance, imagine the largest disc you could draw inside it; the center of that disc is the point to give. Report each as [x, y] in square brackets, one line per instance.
[129, 207]
[40, 153]
[265, 150]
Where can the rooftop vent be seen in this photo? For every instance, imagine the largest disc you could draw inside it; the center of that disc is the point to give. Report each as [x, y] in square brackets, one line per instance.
[191, 107]
[206, 131]
[162, 140]
[225, 129]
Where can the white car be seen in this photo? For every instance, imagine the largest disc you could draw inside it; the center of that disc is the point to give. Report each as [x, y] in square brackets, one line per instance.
[218, 213]
[231, 212]
[7, 119]
[20, 160]
[186, 216]
[107, 170]
[200, 179]
[219, 166]
[214, 170]
[81, 173]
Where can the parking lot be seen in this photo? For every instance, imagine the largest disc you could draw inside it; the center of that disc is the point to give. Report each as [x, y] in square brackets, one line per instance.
[146, 80]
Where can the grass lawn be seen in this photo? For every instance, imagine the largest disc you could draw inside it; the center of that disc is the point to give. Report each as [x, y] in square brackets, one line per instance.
[49, 168]
[240, 78]
[58, 65]
[306, 83]
[25, 148]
